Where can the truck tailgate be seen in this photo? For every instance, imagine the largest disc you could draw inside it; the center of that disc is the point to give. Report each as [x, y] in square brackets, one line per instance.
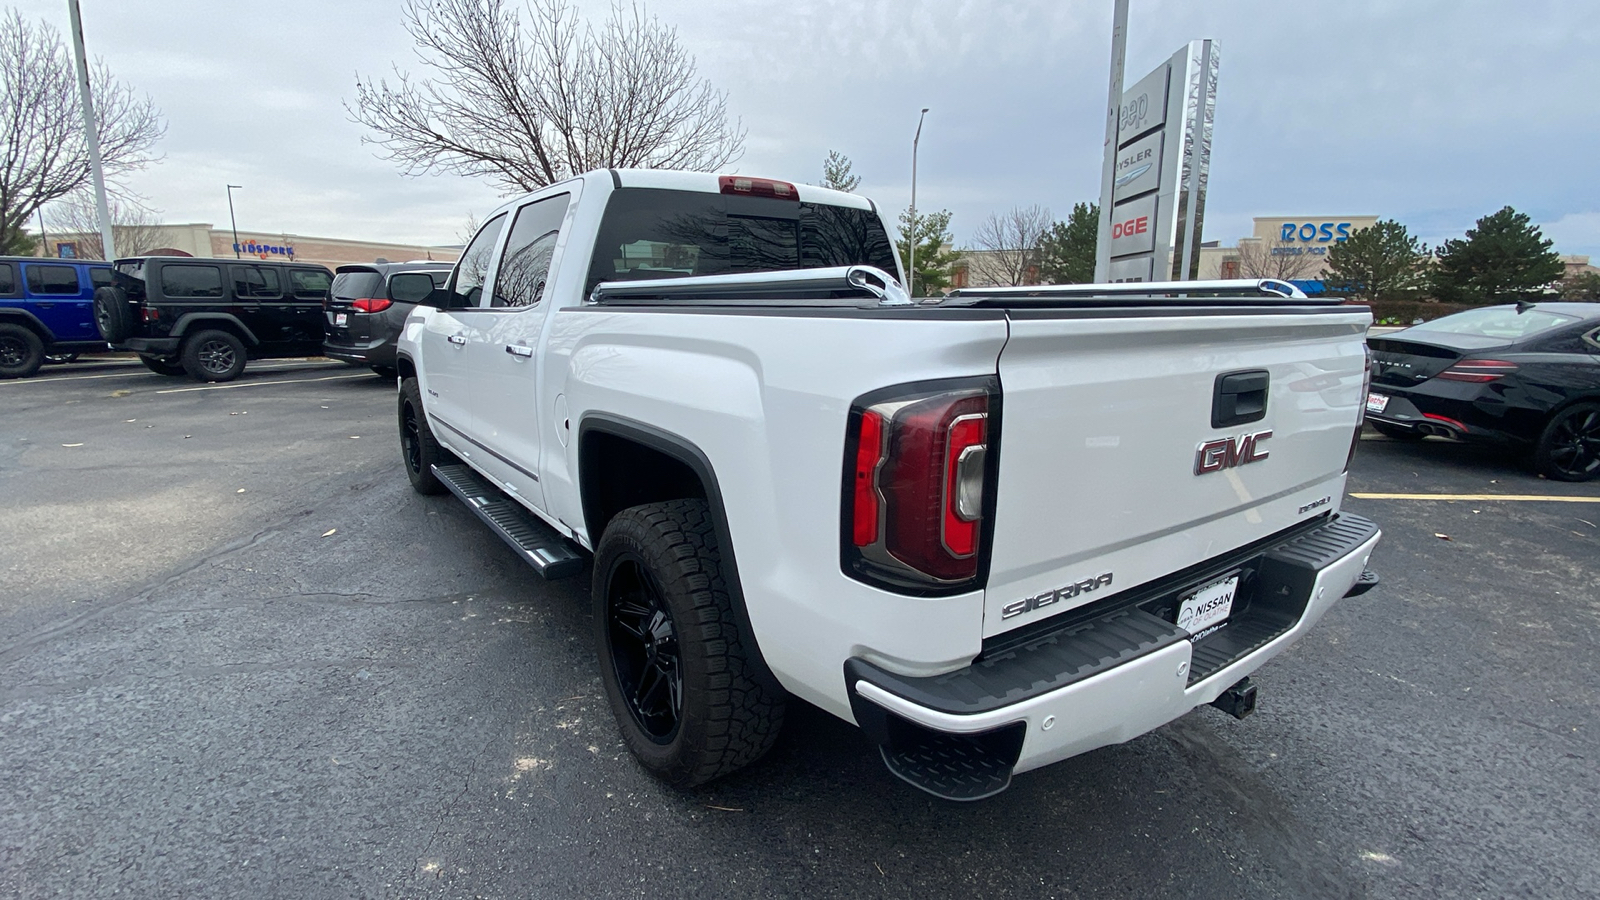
[1105, 417]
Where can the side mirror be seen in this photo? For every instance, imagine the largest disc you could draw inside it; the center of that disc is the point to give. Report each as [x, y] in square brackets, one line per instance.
[415, 287]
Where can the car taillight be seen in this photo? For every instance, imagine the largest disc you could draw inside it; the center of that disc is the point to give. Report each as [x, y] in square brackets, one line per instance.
[918, 484]
[1478, 371]
[758, 187]
[371, 304]
[151, 314]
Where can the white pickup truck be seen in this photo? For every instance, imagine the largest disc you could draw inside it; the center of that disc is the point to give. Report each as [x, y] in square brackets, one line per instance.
[994, 530]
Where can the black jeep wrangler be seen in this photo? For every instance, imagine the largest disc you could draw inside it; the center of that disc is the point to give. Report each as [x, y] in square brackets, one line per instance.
[205, 317]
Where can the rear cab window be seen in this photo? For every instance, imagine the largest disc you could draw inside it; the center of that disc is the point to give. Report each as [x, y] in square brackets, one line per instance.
[654, 233]
[191, 281]
[52, 280]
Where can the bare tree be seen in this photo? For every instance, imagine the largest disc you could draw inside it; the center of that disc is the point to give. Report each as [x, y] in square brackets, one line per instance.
[1006, 247]
[43, 155]
[135, 228]
[1269, 259]
[528, 102]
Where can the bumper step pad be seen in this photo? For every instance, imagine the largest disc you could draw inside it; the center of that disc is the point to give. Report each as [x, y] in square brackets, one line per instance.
[536, 542]
[950, 766]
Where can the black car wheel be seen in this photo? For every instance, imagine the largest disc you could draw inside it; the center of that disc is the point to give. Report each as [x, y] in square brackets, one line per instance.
[21, 351]
[1396, 432]
[688, 692]
[112, 316]
[1569, 448]
[213, 356]
[418, 449]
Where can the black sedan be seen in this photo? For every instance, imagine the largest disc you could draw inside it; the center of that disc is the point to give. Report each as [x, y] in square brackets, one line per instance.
[1526, 375]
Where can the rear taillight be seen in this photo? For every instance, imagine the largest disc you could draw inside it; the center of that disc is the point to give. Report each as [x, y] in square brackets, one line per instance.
[371, 304]
[919, 476]
[151, 314]
[1478, 371]
[758, 187]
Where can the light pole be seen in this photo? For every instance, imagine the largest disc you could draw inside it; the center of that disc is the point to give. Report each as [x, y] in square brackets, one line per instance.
[91, 132]
[232, 221]
[911, 276]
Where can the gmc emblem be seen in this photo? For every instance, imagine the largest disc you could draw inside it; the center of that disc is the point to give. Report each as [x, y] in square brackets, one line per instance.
[1229, 452]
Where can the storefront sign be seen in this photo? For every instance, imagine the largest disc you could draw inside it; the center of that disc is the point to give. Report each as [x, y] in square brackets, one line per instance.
[1138, 168]
[264, 250]
[1133, 226]
[1318, 232]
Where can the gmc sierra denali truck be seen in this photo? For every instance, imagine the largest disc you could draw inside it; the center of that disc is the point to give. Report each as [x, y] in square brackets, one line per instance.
[994, 530]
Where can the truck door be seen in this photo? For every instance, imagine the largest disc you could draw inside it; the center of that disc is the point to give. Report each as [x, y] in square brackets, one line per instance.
[504, 355]
[443, 343]
[258, 302]
[59, 300]
[308, 288]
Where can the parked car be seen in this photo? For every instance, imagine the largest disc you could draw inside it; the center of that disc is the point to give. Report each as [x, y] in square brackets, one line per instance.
[206, 317]
[364, 313]
[46, 311]
[994, 530]
[1526, 376]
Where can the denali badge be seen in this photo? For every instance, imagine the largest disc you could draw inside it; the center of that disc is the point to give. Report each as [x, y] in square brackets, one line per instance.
[1228, 452]
[1050, 598]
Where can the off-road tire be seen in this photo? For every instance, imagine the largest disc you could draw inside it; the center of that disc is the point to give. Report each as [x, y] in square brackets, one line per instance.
[161, 366]
[21, 351]
[730, 709]
[419, 451]
[112, 315]
[1569, 447]
[213, 355]
[1396, 433]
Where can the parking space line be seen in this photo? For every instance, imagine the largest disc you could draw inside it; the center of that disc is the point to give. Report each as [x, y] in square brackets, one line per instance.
[141, 370]
[226, 387]
[1518, 498]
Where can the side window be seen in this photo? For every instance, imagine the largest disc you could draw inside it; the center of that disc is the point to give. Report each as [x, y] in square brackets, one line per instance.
[256, 283]
[1593, 340]
[523, 270]
[309, 284]
[8, 279]
[185, 281]
[56, 280]
[100, 277]
[473, 268]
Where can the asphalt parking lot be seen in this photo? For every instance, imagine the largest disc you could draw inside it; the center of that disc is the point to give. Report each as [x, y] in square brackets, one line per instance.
[239, 657]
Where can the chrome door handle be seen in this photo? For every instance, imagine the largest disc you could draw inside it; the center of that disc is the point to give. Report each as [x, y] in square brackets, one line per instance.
[519, 350]
[460, 340]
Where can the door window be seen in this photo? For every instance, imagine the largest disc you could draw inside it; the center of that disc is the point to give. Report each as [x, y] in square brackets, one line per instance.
[520, 280]
[55, 280]
[473, 268]
[309, 284]
[191, 281]
[100, 277]
[256, 283]
[8, 279]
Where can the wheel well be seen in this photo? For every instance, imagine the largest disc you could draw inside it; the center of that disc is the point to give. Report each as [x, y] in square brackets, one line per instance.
[406, 367]
[29, 322]
[618, 472]
[194, 326]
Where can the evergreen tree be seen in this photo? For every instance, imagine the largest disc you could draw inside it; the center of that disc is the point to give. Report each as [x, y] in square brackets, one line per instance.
[1506, 257]
[1066, 252]
[934, 259]
[16, 242]
[1383, 262]
[836, 173]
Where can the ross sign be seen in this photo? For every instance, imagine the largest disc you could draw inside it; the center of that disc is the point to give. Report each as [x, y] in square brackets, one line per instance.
[264, 250]
[1161, 166]
[1319, 232]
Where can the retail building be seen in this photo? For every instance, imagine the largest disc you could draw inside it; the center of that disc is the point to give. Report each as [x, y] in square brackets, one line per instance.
[203, 239]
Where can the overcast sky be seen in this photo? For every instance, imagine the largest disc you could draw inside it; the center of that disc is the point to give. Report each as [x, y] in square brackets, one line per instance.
[1432, 113]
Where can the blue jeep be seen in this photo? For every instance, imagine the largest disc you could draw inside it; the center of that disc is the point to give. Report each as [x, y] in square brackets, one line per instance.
[47, 309]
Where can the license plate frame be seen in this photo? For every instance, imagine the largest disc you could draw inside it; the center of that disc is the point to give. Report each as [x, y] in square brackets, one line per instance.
[1205, 608]
[1377, 403]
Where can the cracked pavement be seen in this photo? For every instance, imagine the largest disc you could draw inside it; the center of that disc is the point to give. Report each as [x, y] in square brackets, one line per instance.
[203, 693]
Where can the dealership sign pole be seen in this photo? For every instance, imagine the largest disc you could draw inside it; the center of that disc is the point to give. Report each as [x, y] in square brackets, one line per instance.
[1159, 162]
[91, 133]
[1119, 48]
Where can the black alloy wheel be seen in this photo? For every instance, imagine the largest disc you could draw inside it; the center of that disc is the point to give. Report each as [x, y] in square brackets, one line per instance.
[1569, 449]
[21, 351]
[644, 650]
[213, 356]
[418, 449]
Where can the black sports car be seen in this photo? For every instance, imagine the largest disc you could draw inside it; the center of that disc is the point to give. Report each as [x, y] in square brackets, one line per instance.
[1526, 375]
